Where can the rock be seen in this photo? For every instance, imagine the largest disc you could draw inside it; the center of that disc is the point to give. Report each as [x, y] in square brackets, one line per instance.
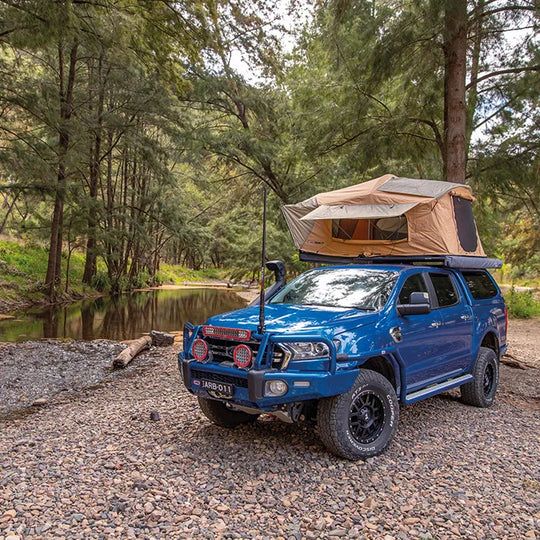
[338, 532]
[40, 402]
[161, 339]
[9, 514]
[370, 503]
[154, 416]
[149, 507]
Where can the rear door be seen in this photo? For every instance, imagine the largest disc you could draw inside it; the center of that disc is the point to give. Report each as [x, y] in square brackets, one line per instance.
[456, 332]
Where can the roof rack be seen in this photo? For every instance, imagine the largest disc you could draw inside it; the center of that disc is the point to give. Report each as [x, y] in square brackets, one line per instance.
[449, 261]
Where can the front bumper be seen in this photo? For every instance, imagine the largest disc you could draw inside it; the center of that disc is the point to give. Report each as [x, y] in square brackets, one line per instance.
[249, 386]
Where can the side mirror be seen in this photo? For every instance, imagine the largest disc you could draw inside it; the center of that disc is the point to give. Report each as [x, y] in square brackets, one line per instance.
[418, 305]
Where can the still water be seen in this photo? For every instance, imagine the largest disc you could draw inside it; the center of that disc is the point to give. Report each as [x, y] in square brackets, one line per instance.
[126, 316]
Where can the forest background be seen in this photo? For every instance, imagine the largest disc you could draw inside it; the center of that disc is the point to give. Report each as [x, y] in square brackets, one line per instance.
[136, 135]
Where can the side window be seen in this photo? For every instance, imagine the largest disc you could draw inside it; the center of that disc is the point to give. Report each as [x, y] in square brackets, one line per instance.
[466, 226]
[414, 283]
[444, 289]
[480, 285]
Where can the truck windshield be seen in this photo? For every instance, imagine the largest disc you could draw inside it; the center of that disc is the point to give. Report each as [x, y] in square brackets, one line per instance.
[358, 288]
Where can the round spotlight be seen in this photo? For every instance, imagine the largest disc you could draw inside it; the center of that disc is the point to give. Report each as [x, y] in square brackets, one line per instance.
[242, 356]
[199, 350]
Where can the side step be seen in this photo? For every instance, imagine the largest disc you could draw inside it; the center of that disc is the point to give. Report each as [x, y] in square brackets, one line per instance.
[437, 388]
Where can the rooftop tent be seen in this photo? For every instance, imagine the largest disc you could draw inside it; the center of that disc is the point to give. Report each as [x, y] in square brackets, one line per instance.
[387, 216]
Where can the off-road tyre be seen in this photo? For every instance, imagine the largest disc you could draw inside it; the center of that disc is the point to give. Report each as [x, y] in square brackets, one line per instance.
[218, 413]
[481, 392]
[362, 422]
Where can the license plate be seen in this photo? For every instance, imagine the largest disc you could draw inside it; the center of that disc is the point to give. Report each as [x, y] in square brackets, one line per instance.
[221, 388]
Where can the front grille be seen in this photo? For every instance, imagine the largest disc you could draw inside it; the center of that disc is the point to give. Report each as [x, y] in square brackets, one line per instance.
[237, 381]
[222, 350]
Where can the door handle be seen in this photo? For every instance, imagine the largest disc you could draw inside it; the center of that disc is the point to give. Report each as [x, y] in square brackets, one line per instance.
[466, 317]
[436, 324]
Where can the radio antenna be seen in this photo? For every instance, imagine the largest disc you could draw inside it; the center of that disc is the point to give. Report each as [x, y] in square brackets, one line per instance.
[261, 327]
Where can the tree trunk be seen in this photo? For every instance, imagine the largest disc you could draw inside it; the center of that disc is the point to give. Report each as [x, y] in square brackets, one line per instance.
[455, 112]
[8, 213]
[95, 154]
[54, 265]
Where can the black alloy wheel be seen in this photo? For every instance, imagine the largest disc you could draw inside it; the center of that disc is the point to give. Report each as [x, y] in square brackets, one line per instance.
[366, 417]
[481, 391]
[489, 379]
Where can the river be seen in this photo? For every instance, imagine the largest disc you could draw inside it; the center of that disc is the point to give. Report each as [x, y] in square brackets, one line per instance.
[121, 317]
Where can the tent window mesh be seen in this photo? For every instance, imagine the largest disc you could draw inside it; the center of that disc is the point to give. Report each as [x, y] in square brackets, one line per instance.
[466, 227]
[387, 228]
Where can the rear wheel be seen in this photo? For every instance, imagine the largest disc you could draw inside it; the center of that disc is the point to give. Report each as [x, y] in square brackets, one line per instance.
[220, 414]
[362, 422]
[481, 392]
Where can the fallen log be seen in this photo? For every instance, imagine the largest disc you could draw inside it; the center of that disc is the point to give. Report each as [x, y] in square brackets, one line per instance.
[513, 362]
[131, 351]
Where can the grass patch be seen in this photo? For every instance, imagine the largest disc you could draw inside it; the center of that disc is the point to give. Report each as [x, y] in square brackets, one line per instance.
[170, 273]
[522, 304]
[23, 267]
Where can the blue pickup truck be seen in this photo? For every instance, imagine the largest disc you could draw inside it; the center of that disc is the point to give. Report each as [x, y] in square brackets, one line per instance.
[346, 345]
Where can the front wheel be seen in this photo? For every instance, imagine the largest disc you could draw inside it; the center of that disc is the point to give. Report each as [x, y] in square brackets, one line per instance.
[362, 422]
[481, 392]
[220, 414]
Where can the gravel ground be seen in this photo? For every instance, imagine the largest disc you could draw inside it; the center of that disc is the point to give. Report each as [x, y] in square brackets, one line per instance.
[34, 371]
[95, 465]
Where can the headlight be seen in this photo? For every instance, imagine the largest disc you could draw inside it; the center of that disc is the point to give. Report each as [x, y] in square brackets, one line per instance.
[303, 350]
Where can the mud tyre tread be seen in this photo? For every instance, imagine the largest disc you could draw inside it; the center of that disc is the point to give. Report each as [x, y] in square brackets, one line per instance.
[333, 417]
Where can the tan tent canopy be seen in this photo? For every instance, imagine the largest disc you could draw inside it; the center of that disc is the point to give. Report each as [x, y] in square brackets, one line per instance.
[387, 216]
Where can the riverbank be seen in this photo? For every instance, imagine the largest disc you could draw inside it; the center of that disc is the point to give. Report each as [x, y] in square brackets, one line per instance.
[23, 266]
[135, 458]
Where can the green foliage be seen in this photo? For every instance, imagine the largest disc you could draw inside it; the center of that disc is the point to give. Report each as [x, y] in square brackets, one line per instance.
[23, 266]
[522, 304]
[170, 142]
[169, 273]
[101, 281]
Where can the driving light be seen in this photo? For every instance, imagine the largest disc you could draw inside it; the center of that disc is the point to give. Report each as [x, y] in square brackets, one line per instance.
[307, 350]
[275, 388]
[242, 356]
[199, 350]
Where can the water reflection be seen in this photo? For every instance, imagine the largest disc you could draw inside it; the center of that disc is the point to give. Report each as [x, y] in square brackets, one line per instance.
[121, 317]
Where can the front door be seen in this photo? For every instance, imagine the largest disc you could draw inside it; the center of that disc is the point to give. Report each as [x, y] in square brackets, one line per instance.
[421, 348]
